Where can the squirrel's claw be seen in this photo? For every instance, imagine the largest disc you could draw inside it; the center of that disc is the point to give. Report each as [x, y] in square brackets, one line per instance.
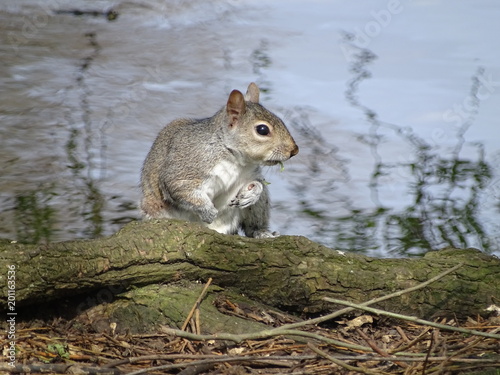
[263, 233]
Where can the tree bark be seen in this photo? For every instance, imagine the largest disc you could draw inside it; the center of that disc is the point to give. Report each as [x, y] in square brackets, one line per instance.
[290, 273]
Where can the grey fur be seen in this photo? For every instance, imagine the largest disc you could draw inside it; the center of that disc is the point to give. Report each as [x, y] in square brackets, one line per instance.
[209, 170]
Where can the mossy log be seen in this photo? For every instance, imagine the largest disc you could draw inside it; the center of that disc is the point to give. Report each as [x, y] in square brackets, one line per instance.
[290, 273]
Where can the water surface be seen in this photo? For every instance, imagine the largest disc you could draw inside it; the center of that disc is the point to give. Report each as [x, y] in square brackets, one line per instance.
[395, 110]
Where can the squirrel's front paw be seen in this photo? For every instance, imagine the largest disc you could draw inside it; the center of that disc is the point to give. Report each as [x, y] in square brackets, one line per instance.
[248, 195]
[208, 215]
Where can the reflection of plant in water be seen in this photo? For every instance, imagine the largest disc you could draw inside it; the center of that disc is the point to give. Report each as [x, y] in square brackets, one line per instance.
[443, 218]
[261, 60]
[444, 189]
[34, 217]
[94, 202]
[86, 184]
[34, 211]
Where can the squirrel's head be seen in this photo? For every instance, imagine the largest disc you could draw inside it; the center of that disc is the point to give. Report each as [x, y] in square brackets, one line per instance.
[255, 132]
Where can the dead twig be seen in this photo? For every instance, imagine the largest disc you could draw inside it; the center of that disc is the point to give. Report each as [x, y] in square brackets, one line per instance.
[196, 304]
[412, 318]
[264, 334]
[340, 362]
[220, 360]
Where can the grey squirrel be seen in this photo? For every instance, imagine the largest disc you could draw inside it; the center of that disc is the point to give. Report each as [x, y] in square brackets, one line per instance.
[209, 170]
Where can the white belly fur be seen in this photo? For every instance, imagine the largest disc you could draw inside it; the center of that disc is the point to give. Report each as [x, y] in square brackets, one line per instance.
[224, 183]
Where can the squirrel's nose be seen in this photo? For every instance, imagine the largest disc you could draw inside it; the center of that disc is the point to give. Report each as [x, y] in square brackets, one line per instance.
[295, 151]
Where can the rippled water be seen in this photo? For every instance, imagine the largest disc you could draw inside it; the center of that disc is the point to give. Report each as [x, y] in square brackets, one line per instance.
[394, 106]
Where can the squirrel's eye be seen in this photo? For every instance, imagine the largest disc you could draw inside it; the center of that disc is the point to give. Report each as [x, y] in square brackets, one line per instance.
[262, 129]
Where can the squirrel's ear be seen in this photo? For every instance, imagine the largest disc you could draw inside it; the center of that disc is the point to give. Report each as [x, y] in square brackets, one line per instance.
[252, 94]
[235, 106]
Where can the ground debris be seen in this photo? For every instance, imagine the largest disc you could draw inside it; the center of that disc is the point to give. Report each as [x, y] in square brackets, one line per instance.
[63, 347]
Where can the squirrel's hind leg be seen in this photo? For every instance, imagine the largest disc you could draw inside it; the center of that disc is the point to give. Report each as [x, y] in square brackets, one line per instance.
[255, 218]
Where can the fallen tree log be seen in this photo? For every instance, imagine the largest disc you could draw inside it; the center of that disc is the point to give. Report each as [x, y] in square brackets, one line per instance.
[290, 273]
